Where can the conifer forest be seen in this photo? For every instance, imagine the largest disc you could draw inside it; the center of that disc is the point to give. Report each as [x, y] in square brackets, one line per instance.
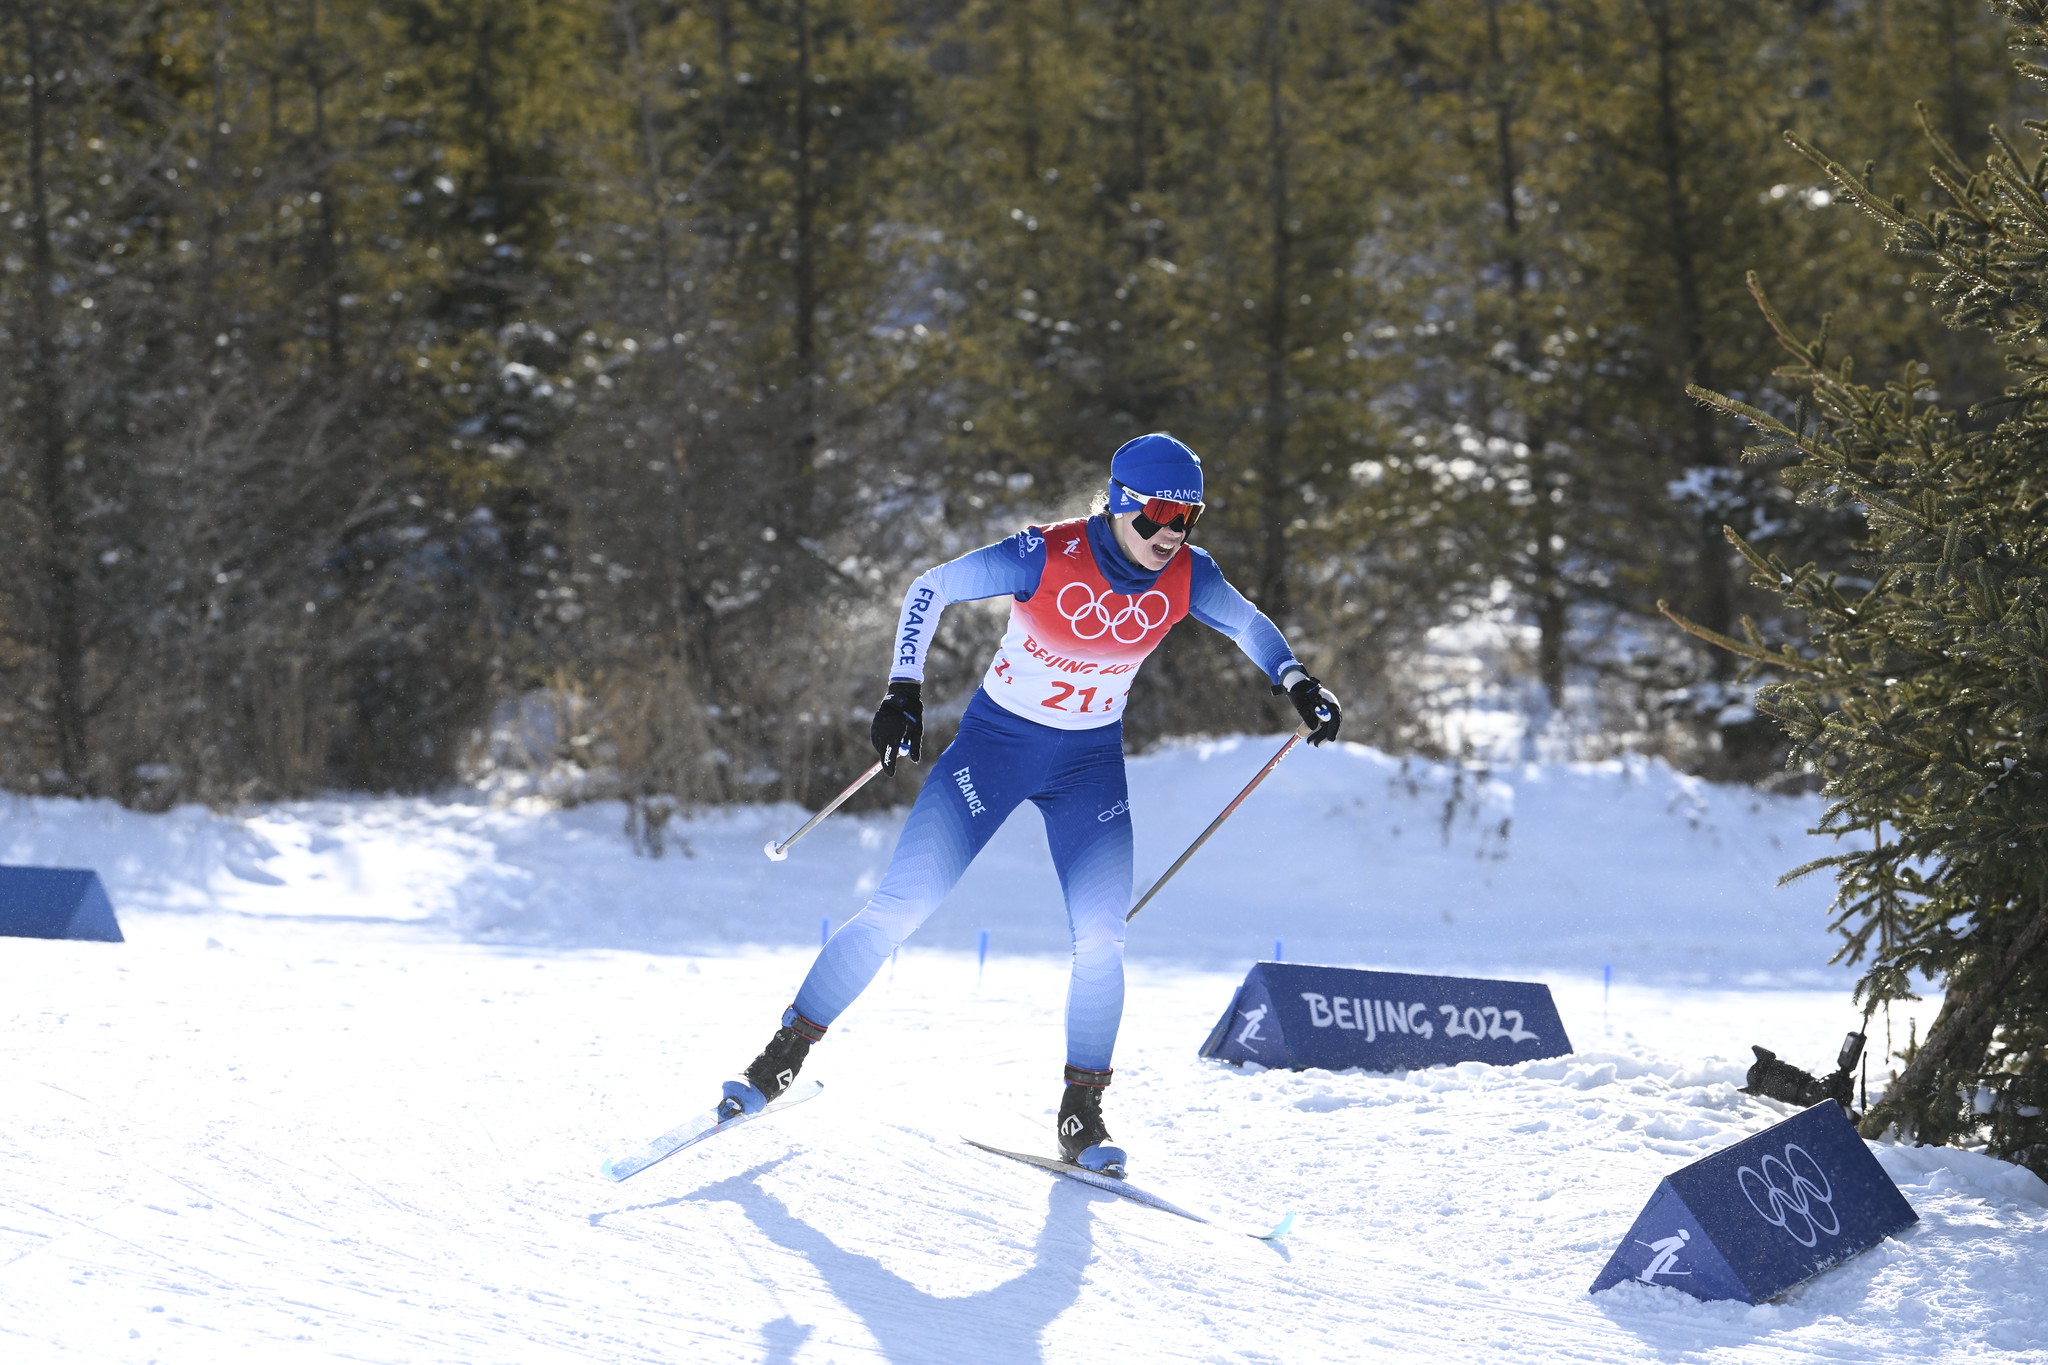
[397, 391]
[376, 371]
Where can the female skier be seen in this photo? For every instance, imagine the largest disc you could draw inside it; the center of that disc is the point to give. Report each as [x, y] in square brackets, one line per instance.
[1093, 597]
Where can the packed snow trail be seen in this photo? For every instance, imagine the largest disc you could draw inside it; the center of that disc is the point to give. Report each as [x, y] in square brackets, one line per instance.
[343, 1092]
[324, 1140]
[1123, 1188]
[704, 1126]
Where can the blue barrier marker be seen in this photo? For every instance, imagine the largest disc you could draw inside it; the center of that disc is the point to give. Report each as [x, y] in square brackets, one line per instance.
[56, 902]
[981, 965]
[1751, 1221]
[1606, 985]
[1294, 1015]
[824, 931]
[1279, 955]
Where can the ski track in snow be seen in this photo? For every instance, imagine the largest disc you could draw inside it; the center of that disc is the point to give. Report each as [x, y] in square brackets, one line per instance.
[344, 1092]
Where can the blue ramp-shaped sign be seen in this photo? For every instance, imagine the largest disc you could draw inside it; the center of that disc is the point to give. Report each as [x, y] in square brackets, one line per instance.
[1764, 1215]
[1294, 1015]
[56, 902]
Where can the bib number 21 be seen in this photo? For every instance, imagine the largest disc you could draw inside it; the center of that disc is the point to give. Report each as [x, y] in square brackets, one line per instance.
[1063, 690]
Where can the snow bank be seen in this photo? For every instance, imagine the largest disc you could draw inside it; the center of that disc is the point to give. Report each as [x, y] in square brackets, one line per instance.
[1345, 854]
[1931, 1170]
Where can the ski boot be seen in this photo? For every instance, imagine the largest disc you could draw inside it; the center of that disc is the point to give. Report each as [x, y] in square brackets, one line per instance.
[1084, 1140]
[769, 1074]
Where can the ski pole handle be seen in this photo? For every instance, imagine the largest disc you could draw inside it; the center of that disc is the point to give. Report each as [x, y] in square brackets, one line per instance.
[1301, 732]
[778, 851]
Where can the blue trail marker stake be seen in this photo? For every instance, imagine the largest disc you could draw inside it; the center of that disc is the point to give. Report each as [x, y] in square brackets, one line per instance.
[824, 931]
[1278, 954]
[981, 964]
[1606, 985]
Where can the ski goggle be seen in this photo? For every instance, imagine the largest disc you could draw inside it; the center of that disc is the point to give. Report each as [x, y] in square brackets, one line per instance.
[1161, 514]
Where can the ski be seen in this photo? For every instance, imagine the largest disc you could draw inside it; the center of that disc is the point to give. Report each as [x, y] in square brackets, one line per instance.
[1125, 1190]
[705, 1125]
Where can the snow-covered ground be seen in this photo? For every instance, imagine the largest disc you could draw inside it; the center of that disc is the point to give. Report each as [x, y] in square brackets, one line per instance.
[343, 1093]
[1346, 855]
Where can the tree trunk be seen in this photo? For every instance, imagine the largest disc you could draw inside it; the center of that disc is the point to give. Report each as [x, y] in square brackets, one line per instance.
[803, 448]
[1137, 49]
[50, 427]
[1962, 135]
[1273, 585]
[1956, 1043]
[688, 613]
[1714, 603]
[1027, 88]
[650, 157]
[216, 189]
[1544, 585]
[485, 103]
[327, 246]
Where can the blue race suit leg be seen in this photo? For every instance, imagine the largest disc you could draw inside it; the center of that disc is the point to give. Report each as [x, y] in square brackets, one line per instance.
[997, 761]
[992, 765]
[1087, 814]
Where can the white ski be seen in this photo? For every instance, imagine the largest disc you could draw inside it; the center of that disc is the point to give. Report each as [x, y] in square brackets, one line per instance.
[1116, 1185]
[703, 1126]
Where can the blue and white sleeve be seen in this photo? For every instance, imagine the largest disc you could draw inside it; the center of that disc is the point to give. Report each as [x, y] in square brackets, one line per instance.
[1221, 607]
[1013, 566]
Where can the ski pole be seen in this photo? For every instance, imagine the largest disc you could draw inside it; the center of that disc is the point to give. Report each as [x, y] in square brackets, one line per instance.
[1300, 734]
[777, 852]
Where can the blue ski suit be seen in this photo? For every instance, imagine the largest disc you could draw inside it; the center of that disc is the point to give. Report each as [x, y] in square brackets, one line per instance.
[1032, 733]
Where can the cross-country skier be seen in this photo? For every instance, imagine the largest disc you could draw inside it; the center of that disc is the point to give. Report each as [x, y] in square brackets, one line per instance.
[1094, 596]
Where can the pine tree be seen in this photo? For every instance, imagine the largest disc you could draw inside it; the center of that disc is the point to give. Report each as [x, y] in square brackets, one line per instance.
[48, 330]
[1051, 173]
[1603, 172]
[1296, 309]
[1520, 382]
[757, 306]
[1170, 215]
[1920, 688]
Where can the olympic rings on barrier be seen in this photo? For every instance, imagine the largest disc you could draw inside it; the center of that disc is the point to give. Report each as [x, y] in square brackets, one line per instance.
[1091, 611]
[1797, 1193]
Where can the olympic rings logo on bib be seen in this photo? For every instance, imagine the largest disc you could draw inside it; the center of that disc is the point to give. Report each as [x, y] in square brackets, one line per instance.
[1089, 611]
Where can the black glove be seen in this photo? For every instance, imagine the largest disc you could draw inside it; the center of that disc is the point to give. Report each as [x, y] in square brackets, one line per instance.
[1319, 710]
[899, 725]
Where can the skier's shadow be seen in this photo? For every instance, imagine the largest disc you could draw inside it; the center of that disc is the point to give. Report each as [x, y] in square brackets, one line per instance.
[999, 1326]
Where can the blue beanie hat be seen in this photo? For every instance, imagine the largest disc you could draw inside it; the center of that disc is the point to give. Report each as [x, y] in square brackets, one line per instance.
[1154, 466]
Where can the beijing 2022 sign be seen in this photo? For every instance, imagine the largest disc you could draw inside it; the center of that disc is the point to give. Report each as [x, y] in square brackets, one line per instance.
[1297, 1016]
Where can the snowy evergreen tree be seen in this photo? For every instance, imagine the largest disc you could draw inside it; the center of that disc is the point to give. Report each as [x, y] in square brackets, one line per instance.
[1920, 690]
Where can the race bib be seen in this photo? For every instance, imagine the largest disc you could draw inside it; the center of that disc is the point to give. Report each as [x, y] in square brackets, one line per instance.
[1071, 652]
